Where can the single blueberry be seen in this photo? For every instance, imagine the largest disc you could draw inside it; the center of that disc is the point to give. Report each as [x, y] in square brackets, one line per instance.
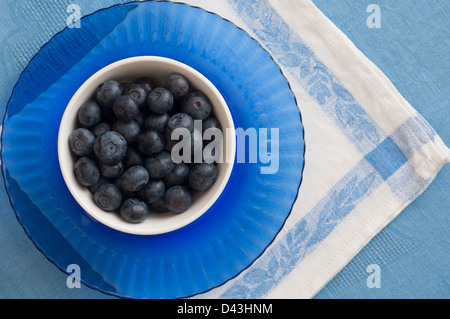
[160, 100]
[157, 122]
[180, 120]
[159, 165]
[177, 199]
[110, 147]
[159, 206]
[134, 178]
[197, 105]
[202, 176]
[140, 118]
[134, 210]
[81, 141]
[125, 86]
[136, 91]
[107, 93]
[133, 157]
[152, 191]
[86, 171]
[101, 128]
[102, 180]
[125, 108]
[108, 197]
[178, 176]
[89, 114]
[210, 123]
[169, 143]
[128, 129]
[146, 83]
[111, 170]
[150, 142]
[125, 193]
[178, 85]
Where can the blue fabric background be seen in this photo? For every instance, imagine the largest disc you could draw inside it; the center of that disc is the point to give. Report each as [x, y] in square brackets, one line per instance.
[411, 48]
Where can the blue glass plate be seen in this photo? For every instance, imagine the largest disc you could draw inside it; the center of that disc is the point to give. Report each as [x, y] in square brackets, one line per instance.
[237, 228]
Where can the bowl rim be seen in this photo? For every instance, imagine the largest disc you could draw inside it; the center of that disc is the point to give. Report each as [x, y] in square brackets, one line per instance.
[64, 151]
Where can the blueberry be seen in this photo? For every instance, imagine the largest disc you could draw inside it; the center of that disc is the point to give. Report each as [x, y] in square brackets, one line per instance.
[210, 122]
[81, 141]
[86, 171]
[107, 93]
[169, 143]
[133, 210]
[159, 206]
[152, 191]
[101, 128]
[128, 129]
[125, 193]
[150, 142]
[134, 178]
[159, 165]
[133, 157]
[108, 197]
[178, 85]
[125, 108]
[89, 114]
[157, 122]
[178, 176]
[160, 100]
[110, 147]
[136, 91]
[202, 176]
[180, 120]
[140, 118]
[197, 105]
[177, 199]
[146, 83]
[102, 180]
[111, 170]
[125, 86]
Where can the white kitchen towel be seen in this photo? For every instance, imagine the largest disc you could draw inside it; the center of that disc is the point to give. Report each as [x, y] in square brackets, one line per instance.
[368, 152]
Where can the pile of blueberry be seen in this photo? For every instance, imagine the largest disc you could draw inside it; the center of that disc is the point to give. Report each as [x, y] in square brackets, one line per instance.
[123, 146]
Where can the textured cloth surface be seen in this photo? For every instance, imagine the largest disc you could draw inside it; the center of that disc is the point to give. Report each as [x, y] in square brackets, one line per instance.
[369, 153]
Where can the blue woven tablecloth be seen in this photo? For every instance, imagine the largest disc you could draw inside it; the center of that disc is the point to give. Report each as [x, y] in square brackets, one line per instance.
[411, 47]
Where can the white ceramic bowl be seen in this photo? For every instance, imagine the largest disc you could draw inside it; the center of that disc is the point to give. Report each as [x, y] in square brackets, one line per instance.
[158, 69]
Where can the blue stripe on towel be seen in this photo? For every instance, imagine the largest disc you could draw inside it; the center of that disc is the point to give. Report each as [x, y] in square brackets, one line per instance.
[386, 158]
